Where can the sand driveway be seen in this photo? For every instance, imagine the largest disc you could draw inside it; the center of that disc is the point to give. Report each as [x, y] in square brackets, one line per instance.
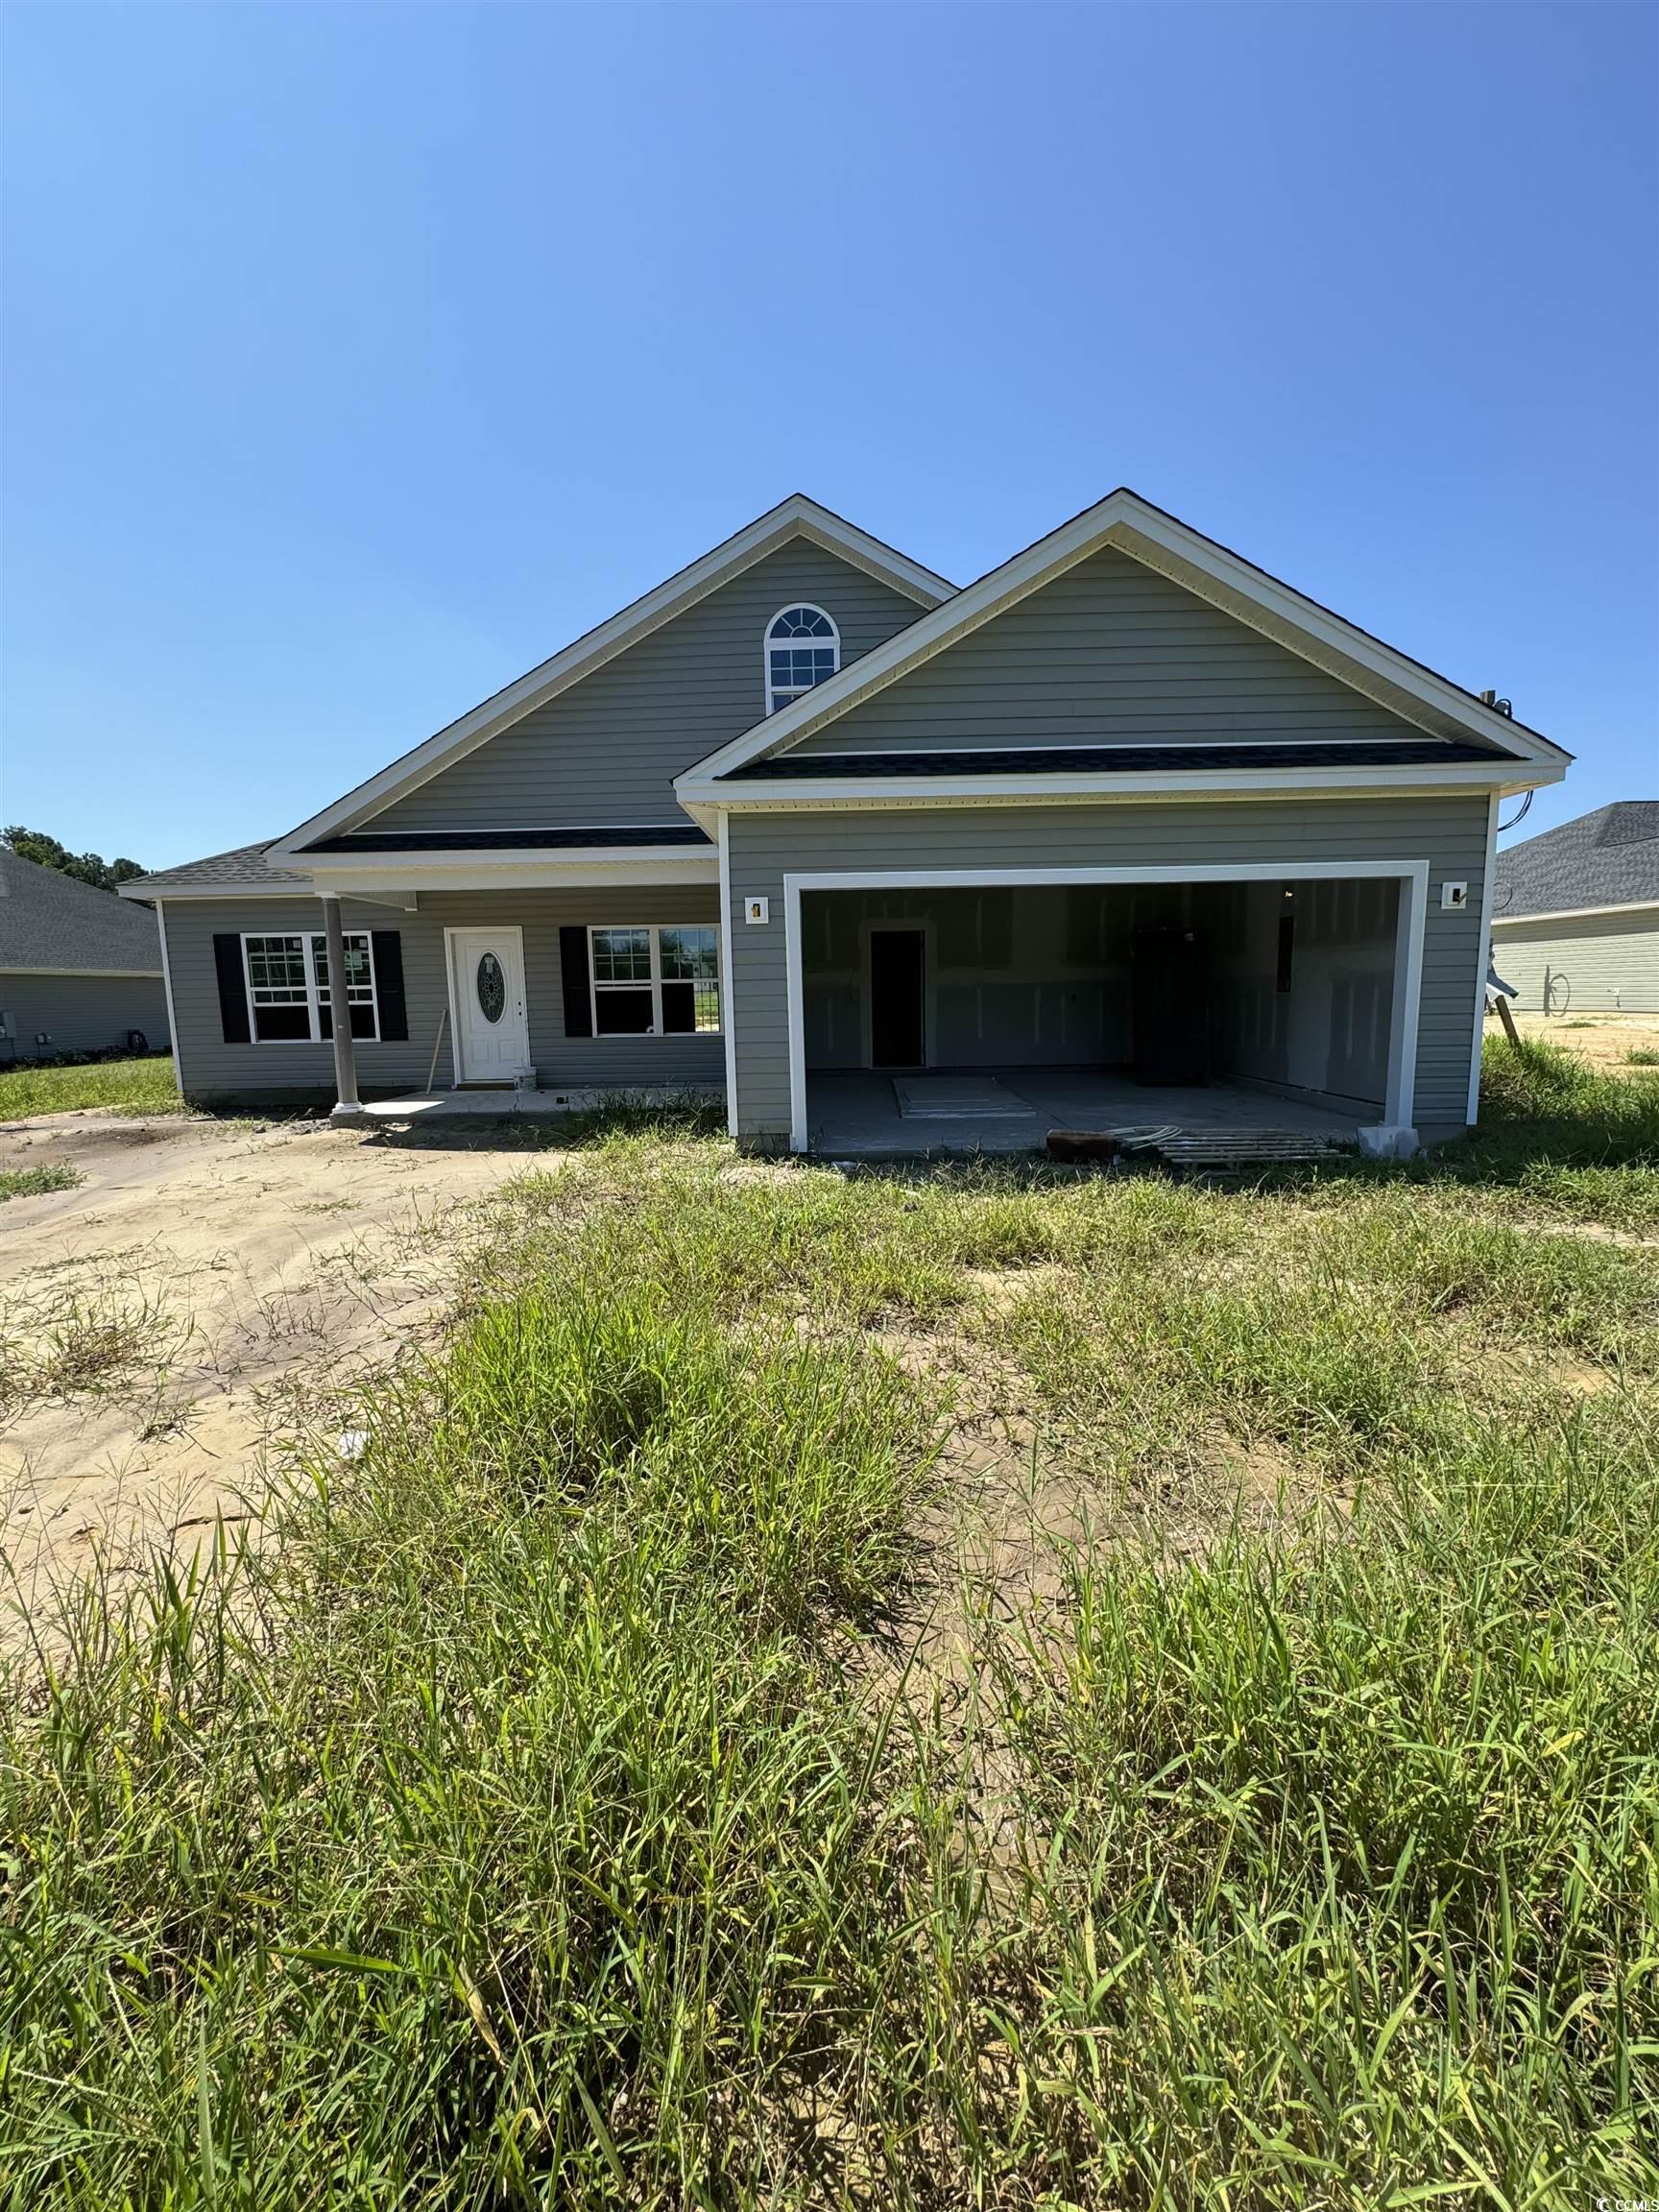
[163, 1320]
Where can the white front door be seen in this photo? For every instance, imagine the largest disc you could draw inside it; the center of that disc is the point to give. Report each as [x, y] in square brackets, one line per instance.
[487, 1004]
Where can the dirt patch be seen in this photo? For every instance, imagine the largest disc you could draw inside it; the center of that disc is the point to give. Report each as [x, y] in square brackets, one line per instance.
[1019, 1501]
[162, 1321]
[1605, 1041]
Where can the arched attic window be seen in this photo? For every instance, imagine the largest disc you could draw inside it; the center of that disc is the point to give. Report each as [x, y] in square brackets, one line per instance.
[803, 647]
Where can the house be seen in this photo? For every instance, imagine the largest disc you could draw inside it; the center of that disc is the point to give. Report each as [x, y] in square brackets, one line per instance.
[811, 828]
[1575, 914]
[78, 971]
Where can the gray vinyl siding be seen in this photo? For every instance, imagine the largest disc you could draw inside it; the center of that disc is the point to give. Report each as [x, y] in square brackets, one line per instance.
[1448, 833]
[1110, 653]
[214, 1071]
[1610, 962]
[608, 750]
[82, 1012]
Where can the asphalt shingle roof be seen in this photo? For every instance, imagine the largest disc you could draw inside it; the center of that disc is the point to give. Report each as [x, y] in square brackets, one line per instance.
[1111, 760]
[549, 840]
[247, 865]
[1607, 859]
[48, 920]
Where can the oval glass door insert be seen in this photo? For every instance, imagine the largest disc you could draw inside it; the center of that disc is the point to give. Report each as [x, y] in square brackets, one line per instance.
[492, 988]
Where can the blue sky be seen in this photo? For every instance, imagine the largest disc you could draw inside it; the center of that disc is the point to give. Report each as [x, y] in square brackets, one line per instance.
[357, 359]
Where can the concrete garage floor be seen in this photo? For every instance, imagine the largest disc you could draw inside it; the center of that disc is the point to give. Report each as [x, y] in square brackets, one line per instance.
[858, 1115]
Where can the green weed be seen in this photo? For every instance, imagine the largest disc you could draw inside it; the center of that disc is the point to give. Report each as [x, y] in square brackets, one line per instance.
[37, 1182]
[131, 1086]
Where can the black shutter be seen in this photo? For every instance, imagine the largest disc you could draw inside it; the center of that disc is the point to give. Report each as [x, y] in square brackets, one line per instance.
[573, 960]
[388, 946]
[232, 990]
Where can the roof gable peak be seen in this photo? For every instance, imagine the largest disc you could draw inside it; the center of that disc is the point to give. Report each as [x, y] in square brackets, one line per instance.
[795, 515]
[1124, 520]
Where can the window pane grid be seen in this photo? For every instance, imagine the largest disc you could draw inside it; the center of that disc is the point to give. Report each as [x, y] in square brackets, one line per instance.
[287, 979]
[276, 970]
[655, 981]
[621, 955]
[359, 979]
[802, 649]
[689, 955]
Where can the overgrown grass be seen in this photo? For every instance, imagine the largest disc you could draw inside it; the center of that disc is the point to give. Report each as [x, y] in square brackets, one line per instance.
[134, 1085]
[37, 1182]
[542, 1814]
[1341, 1859]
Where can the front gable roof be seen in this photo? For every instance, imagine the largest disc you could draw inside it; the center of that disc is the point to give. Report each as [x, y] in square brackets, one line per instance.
[796, 516]
[1125, 521]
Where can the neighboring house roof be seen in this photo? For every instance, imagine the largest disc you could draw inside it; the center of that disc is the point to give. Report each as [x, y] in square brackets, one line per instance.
[1147, 534]
[53, 925]
[796, 516]
[1606, 859]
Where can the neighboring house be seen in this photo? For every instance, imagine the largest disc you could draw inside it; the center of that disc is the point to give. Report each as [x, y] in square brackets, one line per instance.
[1575, 916]
[80, 972]
[806, 814]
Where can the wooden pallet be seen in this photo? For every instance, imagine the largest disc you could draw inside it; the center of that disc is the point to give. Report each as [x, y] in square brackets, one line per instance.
[1228, 1148]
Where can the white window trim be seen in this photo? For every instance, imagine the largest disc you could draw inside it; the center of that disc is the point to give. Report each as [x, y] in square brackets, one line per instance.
[313, 990]
[777, 700]
[654, 930]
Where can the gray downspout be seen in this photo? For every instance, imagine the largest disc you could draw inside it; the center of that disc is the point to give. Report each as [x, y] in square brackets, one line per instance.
[348, 1106]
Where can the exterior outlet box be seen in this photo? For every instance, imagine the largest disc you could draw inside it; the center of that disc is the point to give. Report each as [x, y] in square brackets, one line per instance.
[1454, 897]
[757, 909]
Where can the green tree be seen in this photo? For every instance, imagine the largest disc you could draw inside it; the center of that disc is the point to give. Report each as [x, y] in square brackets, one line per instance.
[85, 867]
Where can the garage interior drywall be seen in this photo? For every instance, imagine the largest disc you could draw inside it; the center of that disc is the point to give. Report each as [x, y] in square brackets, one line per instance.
[1300, 975]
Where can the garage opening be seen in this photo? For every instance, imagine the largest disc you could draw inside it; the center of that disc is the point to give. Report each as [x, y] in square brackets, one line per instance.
[1009, 1009]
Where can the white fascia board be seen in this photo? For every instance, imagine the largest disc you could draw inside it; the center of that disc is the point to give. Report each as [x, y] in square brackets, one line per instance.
[1121, 519]
[1630, 906]
[1193, 784]
[796, 516]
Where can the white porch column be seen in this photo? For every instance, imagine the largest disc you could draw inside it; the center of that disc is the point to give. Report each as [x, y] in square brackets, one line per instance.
[347, 1107]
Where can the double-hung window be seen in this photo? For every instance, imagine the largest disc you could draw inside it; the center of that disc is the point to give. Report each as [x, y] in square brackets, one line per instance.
[288, 992]
[651, 981]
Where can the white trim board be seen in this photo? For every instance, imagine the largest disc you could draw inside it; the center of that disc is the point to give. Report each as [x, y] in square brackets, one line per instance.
[1488, 886]
[727, 999]
[796, 516]
[390, 878]
[1412, 877]
[1153, 783]
[167, 989]
[1577, 913]
[1133, 526]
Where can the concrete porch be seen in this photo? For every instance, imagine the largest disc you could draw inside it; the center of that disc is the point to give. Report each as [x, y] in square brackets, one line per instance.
[859, 1115]
[496, 1103]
